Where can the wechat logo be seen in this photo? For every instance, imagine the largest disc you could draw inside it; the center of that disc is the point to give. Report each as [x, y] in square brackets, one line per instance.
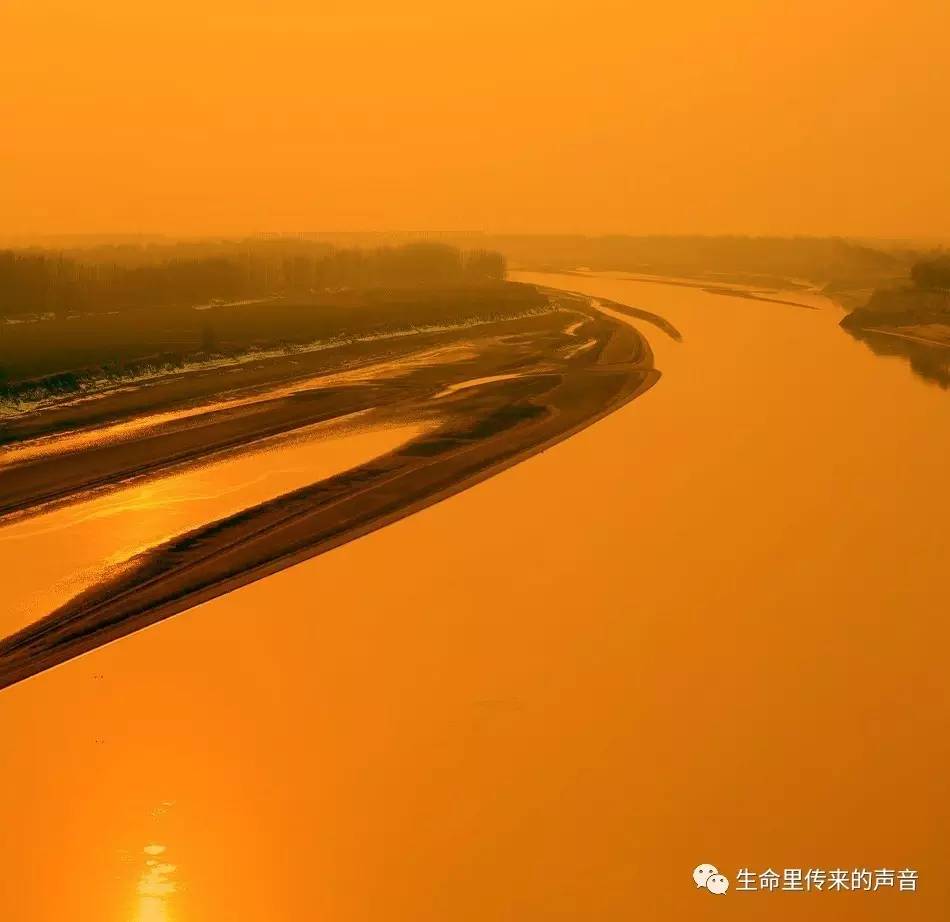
[707, 877]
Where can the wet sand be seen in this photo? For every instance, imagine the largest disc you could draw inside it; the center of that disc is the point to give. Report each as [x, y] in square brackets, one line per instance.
[50, 558]
[727, 289]
[85, 445]
[531, 387]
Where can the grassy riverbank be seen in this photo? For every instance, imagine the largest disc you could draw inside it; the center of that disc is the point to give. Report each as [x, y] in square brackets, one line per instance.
[64, 356]
[910, 320]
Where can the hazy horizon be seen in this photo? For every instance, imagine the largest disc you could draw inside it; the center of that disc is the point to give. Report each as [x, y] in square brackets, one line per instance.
[374, 236]
[685, 118]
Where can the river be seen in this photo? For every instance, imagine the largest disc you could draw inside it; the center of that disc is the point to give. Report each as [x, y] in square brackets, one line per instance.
[709, 628]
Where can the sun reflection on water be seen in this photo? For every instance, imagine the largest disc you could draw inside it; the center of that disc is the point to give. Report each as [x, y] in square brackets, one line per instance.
[155, 886]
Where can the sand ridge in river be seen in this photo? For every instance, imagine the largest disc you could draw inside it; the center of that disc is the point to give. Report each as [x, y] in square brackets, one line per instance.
[534, 389]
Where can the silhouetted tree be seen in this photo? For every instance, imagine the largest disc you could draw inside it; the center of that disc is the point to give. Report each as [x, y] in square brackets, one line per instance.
[932, 273]
[209, 340]
[485, 264]
[113, 279]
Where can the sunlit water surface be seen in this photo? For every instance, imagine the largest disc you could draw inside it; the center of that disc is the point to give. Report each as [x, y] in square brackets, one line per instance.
[51, 557]
[712, 627]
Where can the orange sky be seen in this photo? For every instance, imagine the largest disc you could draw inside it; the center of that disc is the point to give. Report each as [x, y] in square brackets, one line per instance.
[759, 116]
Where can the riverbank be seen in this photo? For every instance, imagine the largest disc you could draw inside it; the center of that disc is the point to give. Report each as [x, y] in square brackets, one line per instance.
[790, 292]
[909, 322]
[530, 385]
[82, 356]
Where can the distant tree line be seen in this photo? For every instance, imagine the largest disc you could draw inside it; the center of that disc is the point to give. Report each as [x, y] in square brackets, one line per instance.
[818, 259]
[123, 278]
[932, 273]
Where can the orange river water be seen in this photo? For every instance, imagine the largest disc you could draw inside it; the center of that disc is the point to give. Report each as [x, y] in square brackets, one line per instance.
[710, 628]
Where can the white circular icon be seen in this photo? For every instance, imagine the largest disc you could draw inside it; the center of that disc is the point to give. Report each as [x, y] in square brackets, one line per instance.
[702, 874]
[707, 877]
[717, 884]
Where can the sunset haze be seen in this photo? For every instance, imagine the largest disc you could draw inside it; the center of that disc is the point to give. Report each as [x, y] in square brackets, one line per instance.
[683, 117]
